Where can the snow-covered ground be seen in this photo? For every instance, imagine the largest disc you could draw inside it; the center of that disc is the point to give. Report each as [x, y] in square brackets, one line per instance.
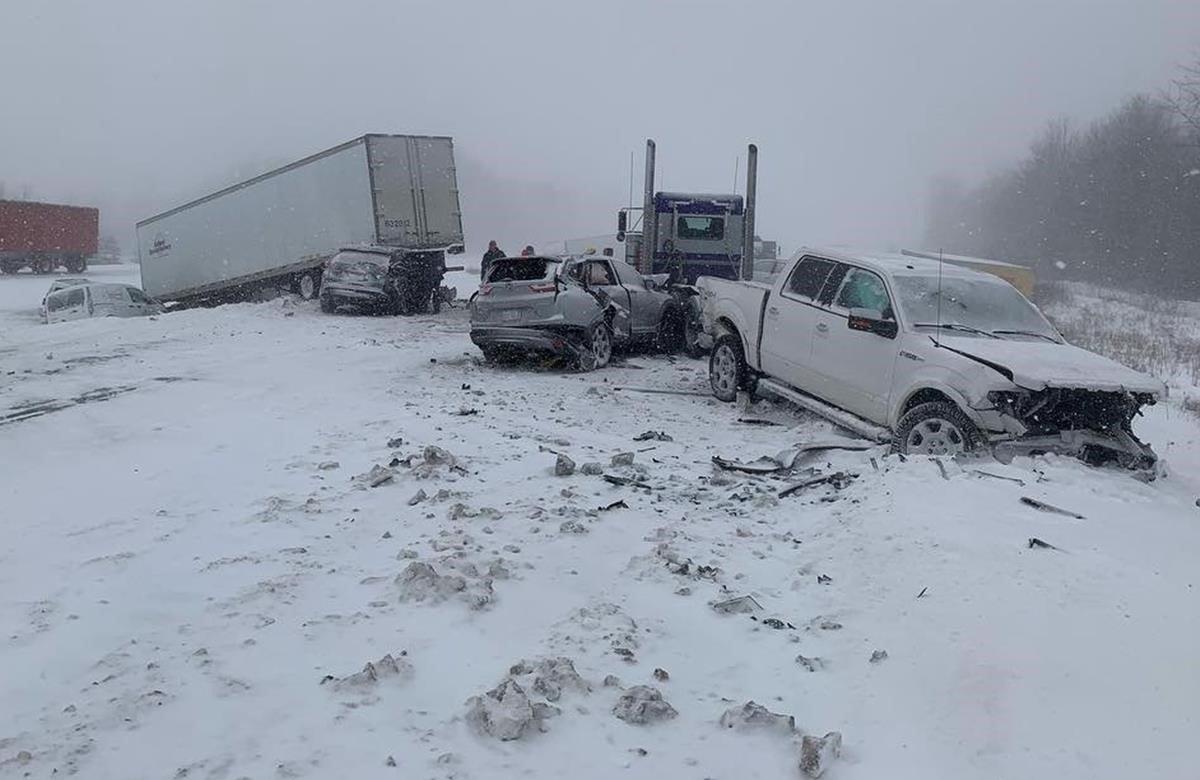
[190, 569]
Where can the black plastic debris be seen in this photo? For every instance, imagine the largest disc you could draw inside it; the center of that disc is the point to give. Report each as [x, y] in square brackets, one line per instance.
[1042, 506]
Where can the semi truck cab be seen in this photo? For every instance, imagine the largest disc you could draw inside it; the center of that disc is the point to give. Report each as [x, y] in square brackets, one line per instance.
[695, 234]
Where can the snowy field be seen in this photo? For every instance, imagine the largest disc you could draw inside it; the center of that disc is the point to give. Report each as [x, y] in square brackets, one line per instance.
[194, 570]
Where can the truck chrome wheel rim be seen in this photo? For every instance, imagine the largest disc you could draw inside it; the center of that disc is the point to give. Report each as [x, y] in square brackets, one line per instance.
[724, 373]
[601, 346]
[307, 287]
[935, 436]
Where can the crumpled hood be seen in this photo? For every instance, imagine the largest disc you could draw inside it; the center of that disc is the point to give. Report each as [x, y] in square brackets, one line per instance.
[1036, 365]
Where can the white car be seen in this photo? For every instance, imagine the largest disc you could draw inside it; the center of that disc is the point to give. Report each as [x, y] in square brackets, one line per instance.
[937, 358]
[99, 300]
[61, 284]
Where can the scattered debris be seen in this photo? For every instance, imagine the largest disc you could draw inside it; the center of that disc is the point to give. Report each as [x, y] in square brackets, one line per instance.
[653, 436]
[878, 655]
[662, 391]
[774, 623]
[618, 504]
[756, 421]
[616, 480]
[503, 712]
[922, 593]
[550, 676]
[563, 466]
[941, 467]
[328, 465]
[612, 681]
[466, 412]
[754, 717]
[838, 479]
[642, 704]
[391, 761]
[811, 664]
[386, 667]
[573, 527]
[1041, 506]
[378, 475]
[395, 443]
[418, 497]
[982, 473]
[420, 582]
[622, 459]
[817, 753]
[592, 469]
[742, 605]
[824, 579]
[661, 675]
[1036, 543]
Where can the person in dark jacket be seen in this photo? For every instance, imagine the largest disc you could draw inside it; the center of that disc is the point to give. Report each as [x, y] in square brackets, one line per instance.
[493, 253]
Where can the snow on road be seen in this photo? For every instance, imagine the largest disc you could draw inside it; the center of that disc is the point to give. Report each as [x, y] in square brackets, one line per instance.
[193, 572]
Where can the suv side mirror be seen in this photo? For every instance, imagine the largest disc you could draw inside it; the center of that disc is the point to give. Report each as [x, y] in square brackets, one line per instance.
[872, 321]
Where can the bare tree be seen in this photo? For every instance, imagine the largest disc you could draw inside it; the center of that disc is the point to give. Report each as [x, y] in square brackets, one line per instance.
[1183, 98]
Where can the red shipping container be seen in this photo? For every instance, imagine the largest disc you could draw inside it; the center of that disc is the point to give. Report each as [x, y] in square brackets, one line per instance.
[48, 227]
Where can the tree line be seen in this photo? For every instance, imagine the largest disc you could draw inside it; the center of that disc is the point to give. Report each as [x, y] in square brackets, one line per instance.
[1116, 202]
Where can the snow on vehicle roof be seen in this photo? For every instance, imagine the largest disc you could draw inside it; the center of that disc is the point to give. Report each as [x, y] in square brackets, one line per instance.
[895, 263]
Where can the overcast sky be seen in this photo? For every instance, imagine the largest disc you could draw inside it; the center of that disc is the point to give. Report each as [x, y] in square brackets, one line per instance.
[133, 105]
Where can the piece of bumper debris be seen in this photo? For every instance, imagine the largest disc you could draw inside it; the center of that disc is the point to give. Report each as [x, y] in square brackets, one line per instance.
[838, 479]
[653, 436]
[757, 421]
[1042, 506]
[466, 412]
[1037, 544]
[742, 605]
[763, 465]
[619, 504]
[378, 475]
[878, 656]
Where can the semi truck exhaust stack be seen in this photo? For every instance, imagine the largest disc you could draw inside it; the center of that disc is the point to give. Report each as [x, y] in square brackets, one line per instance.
[748, 235]
[649, 221]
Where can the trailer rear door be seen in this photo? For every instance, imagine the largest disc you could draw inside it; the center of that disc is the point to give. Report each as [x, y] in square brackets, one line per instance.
[415, 187]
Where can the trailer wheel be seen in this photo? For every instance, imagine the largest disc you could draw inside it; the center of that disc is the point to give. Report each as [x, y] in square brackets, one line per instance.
[308, 285]
[10, 268]
[76, 265]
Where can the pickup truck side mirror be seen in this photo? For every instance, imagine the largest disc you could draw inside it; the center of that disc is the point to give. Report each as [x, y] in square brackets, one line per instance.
[873, 322]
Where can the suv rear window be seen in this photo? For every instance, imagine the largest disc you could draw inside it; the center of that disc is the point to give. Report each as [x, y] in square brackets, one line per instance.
[519, 269]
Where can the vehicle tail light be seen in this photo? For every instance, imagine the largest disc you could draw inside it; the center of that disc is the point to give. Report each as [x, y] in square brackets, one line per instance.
[485, 289]
[544, 287]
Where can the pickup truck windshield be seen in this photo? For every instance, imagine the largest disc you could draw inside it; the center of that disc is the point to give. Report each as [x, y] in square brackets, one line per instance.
[975, 304]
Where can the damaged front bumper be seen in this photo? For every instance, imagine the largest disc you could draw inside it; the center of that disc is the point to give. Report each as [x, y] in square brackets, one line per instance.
[1095, 426]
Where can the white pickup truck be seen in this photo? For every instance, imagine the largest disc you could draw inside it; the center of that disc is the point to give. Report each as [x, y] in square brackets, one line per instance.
[935, 358]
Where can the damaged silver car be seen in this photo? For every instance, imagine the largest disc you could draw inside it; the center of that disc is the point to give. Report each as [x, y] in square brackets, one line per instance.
[579, 309]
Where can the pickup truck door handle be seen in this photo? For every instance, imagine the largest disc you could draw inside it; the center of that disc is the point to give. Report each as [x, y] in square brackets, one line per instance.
[773, 310]
[822, 327]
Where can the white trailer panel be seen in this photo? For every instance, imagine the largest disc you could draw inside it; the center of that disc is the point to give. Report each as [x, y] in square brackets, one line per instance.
[394, 190]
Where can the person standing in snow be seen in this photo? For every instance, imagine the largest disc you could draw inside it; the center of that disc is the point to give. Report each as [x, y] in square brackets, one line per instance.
[493, 253]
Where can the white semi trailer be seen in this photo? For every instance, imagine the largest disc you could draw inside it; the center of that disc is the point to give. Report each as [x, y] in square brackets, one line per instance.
[278, 229]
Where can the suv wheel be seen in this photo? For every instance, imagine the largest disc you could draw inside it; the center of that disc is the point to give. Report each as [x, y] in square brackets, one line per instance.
[935, 428]
[727, 369]
[600, 344]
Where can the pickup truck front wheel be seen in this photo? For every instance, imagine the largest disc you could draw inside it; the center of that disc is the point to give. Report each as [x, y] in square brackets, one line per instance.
[727, 369]
[935, 428]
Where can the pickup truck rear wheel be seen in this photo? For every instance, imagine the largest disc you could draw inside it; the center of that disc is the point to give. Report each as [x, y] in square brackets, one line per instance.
[935, 428]
[727, 369]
